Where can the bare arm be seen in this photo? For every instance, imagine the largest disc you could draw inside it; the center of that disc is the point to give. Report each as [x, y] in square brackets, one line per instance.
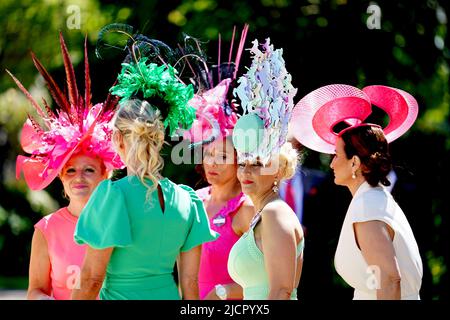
[189, 265]
[92, 274]
[279, 245]
[375, 241]
[39, 285]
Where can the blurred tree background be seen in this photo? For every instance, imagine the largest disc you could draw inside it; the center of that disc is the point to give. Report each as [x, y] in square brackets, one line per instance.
[398, 43]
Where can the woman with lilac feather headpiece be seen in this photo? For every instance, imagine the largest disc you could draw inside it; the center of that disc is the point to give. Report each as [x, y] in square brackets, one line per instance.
[267, 260]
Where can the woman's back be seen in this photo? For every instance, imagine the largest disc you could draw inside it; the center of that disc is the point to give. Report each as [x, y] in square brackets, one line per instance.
[146, 239]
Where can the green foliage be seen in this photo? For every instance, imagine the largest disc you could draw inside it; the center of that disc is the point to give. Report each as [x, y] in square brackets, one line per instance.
[14, 283]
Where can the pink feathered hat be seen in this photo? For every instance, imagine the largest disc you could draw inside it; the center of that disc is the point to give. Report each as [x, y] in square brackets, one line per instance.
[215, 111]
[72, 126]
[316, 114]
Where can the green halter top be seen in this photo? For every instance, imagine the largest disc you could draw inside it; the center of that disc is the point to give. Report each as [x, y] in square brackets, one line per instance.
[246, 266]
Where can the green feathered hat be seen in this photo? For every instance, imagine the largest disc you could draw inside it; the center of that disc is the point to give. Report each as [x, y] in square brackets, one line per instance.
[148, 73]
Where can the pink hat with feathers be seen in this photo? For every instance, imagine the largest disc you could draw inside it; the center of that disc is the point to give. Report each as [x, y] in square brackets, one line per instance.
[74, 125]
[216, 113]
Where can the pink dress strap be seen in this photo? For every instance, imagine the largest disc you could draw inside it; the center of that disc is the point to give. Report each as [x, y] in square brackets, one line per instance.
[214, 259]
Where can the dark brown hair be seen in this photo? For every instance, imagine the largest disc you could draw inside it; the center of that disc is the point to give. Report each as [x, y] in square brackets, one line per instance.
[370, 145]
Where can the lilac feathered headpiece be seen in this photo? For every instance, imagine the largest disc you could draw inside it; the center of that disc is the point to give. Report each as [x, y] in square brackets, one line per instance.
[266, 96]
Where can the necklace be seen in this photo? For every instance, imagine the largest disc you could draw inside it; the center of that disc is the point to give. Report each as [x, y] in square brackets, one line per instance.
[255, 218]
[258, 214]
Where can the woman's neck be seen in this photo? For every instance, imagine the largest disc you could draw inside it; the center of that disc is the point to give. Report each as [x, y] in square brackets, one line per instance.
[226, 191]
[75, 207]
[354, 185]
[260, 200]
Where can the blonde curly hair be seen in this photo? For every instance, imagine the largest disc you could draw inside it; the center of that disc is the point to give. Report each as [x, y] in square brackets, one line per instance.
[288, 161]
[143, 132]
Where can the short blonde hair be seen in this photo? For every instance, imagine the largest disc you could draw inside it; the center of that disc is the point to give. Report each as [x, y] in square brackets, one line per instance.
[289, 159]
[143, 131]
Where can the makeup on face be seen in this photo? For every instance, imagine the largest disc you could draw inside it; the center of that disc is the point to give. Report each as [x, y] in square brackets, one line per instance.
[81, 175]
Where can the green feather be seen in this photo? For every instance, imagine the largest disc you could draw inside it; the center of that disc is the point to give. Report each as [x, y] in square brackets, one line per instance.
[152, 80]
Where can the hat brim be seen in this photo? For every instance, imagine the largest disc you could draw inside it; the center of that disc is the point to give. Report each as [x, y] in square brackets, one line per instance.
[400, 106]
[315, 115]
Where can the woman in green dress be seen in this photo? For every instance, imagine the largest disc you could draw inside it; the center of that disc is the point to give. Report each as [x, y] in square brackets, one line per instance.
[137, 227]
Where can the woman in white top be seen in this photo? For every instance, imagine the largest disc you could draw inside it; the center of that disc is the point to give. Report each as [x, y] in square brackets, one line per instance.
[377, 253]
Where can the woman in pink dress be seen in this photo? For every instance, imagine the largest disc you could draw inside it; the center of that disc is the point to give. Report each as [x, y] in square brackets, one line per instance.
[230, 213]
[56, 260]
[229, 210]
[73, 143]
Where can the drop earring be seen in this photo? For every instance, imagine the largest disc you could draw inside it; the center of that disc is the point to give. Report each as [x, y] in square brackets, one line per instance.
[353, 175]
[275, 187]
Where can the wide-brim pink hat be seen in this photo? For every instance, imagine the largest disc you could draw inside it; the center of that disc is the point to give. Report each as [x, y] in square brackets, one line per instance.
[316, 114]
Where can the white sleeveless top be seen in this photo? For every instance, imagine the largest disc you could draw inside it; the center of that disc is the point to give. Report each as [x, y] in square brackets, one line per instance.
[370, 204]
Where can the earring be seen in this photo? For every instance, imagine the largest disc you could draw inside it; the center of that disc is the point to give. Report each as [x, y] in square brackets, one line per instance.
[275, 187]
[353, 175]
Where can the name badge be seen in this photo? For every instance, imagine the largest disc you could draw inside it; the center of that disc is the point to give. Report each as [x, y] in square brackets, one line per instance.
[219, 221]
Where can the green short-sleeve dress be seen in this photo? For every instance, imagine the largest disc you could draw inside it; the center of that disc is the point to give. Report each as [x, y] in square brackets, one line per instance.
[146, 240]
